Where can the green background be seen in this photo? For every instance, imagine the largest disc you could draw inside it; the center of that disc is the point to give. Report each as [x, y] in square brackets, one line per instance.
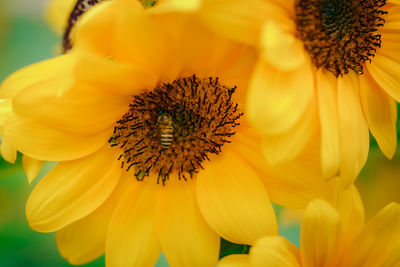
[26, 38]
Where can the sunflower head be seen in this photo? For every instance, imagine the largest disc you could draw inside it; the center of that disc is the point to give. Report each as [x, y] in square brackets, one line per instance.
[172, 129]
[340, 35]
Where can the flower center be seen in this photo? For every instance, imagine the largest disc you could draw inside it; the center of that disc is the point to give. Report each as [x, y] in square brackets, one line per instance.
[340, 35]
[173, 128]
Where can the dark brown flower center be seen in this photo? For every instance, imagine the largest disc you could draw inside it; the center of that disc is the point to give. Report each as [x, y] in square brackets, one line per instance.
[340, 35]
[173, 128]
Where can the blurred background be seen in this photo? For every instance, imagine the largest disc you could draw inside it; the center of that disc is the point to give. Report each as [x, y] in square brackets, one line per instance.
[25, 38]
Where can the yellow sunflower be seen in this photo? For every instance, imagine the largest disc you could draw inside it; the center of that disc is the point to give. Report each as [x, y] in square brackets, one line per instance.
[334, 62]
[145, 119]
[332, 237]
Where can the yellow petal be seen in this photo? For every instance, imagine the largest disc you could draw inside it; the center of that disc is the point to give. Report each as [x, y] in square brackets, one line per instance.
[354, 135]
[58, 67]
[72, 190]
[386, 72]
[381, 114]
[81, 110]
[273, 251]
[293, 184]
[328, 114]
[31, 167]
[41, 142]
[112, 76]
[283, 148]
[235, 260]
[318, 234]
[348, 204]
[57, 13]
[226, 188]
[157, 50]
[276, 99]
[185, 237]
[8, 151]
[84, 240]
[394, 259]
[165, 6]
[5, 112]
[377, 240]
[238, 21]
[281, 49]
[131, 238]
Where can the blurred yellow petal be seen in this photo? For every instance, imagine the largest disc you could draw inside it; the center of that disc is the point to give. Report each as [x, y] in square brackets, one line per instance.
[31, 167]
[165, 6]
[8, 151]
[293, 184]
[239, 21]
[328, 117]
[348, 204]
[5, 112]
[72, 190]
[131, 238]
[44, 143]
[276, 99]
[233, 200]
[273, 251]
[281, 49]
[185, 237]
[394, 259]
[386, 72]
[354, 135]
[283, 148]
[81, 110]
[235, 260]
[84, 240]
[381, 114]
[58, 68]
[318, 234]
[377, 240]
[112, 76]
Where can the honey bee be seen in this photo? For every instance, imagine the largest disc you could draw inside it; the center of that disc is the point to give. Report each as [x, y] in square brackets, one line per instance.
[166, 127]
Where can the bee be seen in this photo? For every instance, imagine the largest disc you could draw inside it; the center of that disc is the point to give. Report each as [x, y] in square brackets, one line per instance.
[166, 128]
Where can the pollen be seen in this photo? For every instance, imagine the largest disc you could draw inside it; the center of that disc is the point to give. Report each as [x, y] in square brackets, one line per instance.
[172, 129]
[340, 35]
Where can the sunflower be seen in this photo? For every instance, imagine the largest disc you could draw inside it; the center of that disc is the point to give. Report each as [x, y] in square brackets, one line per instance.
[332, 237]
[334, 62]
[144, 116]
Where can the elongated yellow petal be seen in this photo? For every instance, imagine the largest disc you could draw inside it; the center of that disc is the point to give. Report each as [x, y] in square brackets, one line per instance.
[240, 22]
[131, 238]
[272, 251]
[85, 239]
[31, 167]
[377, 240]
[381, 114]
[283, 148]
[185, 237]
[386, 72]
[72, 190]
[226, 188]
[293, 184]
[81, 110]
[44, 143]
[8, 151]
[394, 259]
[60, 67]
[354, 134]
[348, 204]
[328, 117]
[277, 99]
[281, 48]
[318, 234]
[166, 6]
[114, 77]
[235, 260]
